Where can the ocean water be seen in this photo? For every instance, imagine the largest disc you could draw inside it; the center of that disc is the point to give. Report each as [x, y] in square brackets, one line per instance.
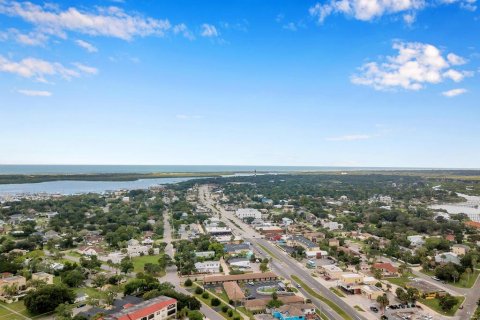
[86, 169]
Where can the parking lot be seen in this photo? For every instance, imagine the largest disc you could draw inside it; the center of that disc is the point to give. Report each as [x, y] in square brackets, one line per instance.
[250, 288]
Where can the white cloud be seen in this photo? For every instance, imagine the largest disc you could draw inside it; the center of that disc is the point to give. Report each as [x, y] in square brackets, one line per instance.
[209, 31]
[86, 45]
[35, 93]
[29, 39]
[183, 30]
[454, 92]
[415, 65]
[39, 69]
[85, 69]
[364, 9]
[353, 137]
[111, 21]
[367, 10]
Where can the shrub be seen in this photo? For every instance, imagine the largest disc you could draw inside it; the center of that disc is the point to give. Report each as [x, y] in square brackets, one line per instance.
[188, 283]
[225, 309]
[236, 318]
[215, 302]
[205, 295]
[198, 290]
[230, 313]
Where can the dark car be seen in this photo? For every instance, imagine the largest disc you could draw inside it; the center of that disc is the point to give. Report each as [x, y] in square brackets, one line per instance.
[374, 309]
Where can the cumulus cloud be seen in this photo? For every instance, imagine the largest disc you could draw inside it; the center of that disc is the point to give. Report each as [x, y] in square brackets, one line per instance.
[364, 9]
[352, 137]
[39, 69]
[209, 31]
[415, 65]
[35, 93]
[86, 45]
[454, 92]
[110, 21]
[367, 10]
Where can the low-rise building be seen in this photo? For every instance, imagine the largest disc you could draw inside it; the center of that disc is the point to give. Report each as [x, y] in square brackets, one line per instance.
[460, 249]
[447, 257]
[208, 267]
[19, 282]
[387, 269]
[332, 271]
[425, 288]
[245, 213]
[294, 312]
[371, 292]
[43, 276]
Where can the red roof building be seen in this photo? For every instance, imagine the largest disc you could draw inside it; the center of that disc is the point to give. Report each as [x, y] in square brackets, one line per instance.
[158, 308]
[388, 270]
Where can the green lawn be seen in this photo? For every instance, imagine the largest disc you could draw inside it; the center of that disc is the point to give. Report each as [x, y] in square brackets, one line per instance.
[463, 282]
[321, 315]
[217, 309]
[401, 281]
[331, 304]
[337, 292]
[433, 304]
[358, 308]
[139, 262]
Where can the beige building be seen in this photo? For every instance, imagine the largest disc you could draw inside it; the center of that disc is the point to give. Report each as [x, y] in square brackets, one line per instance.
[43, 276]
[331, 271]
[351, 278]
[18, 281]
[371, 292]
[460, 249]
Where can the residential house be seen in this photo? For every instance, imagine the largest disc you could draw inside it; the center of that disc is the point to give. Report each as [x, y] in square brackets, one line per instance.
[19, 282]
[387, 269]
[460, 249]
[90, 250]
[43, 276]
[208, 267]
[447, 257]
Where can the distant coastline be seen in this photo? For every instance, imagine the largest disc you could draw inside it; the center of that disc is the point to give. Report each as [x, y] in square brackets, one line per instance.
[22, 174]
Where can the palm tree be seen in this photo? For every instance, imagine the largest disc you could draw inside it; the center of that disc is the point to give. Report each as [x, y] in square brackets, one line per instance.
[383, 301]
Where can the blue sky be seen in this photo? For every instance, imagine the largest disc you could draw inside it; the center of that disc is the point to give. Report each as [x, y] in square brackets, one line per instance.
[265, 82]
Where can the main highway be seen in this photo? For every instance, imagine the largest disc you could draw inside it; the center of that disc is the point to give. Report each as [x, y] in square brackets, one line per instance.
[281, 263]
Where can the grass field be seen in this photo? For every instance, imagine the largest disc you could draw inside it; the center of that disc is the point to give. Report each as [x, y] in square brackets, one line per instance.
[463, 282]
[337, 292]
[139, 262]
[401, 281]
[218, 309]
[433, 304]
[331, 304]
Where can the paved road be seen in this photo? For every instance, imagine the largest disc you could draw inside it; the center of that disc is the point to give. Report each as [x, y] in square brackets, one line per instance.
[172, 274]
[286, 266]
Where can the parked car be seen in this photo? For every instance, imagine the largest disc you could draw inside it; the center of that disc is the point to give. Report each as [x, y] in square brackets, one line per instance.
[374, 309]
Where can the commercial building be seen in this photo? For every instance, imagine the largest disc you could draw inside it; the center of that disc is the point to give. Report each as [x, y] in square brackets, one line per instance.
[158, 308]
[425, 288]
[247, 277]
[248, 213]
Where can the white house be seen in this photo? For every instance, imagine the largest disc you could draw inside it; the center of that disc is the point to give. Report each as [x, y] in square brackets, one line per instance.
[416, 241]
[208, 267]
[332, 225]
[241, 263]
[135, 251]
[248, 213]
[90, 251]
